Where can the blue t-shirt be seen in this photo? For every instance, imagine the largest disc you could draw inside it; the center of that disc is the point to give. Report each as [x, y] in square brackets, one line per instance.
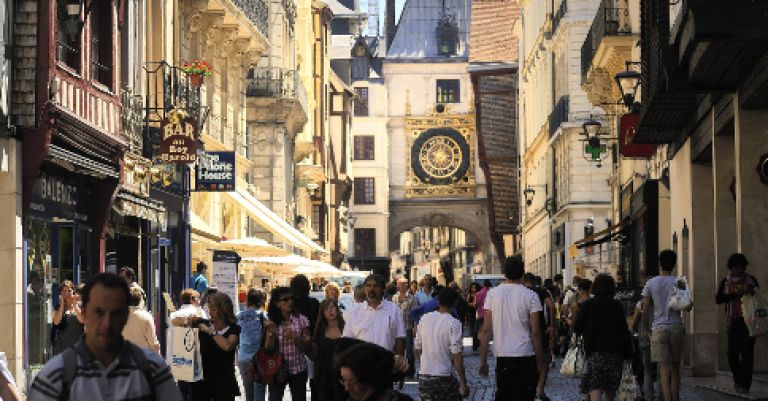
[199, 283]
[250, 322]
[430, 306]
[660, 289]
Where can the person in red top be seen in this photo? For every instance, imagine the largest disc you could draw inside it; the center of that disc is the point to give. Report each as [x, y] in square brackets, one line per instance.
[741, 347]
[479, 305]
[291, 332]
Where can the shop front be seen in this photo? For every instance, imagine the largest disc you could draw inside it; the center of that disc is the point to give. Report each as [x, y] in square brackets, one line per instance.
[60, 243]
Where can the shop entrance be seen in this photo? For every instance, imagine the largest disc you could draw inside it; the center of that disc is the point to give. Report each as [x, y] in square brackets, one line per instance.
[55, 251]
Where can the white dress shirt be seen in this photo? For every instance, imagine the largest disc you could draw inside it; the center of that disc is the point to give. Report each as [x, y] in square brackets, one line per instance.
[381, 325]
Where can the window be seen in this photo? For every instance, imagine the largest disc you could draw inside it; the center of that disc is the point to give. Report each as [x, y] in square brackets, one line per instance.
[365, 191]
[67, 46]
[364, 147]
[361, 101]
[360, 67]
[365, 242]
[448, 91]
[101, 42]
[316, 219]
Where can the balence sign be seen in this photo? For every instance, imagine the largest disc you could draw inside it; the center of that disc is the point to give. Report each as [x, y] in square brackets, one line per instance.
[178, 144]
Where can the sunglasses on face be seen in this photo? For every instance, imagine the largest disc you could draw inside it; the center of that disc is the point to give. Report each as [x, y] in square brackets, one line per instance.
[285, 299]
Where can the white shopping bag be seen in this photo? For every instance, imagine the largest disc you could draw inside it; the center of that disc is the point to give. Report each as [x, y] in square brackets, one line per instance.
[186, 361]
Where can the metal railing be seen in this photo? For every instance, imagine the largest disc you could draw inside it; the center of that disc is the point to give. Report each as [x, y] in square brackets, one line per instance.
[276, 82]
[559, 14]
[559, 115]
[257, 11]
[612, 19]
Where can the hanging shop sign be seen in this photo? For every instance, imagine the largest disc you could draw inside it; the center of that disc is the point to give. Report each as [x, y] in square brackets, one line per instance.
[178, 143]
[215, 171]
[627, 147]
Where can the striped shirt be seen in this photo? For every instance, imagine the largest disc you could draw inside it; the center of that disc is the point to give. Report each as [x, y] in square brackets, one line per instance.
[121, 381]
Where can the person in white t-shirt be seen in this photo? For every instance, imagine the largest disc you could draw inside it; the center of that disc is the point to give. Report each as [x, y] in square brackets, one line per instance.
[438, 346]
[512, 314]
[190, 308]
[377, 320]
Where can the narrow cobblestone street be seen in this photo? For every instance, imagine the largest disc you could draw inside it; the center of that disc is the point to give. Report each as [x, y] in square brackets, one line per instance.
[559, 388]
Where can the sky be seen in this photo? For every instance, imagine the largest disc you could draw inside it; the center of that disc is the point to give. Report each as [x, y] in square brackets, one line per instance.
[382, 4]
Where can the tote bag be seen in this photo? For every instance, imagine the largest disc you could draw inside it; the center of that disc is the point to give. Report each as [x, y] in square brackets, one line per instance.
[186, 360]
[755, 308]
[573, 363]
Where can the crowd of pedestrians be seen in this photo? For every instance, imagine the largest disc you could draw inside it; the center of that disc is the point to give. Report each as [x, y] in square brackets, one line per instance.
[106, 345]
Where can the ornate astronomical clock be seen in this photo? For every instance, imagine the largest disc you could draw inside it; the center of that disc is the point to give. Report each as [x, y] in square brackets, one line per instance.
[441, 156]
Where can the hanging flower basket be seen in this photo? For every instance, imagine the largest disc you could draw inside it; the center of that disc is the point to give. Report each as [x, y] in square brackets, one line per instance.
[196, 70]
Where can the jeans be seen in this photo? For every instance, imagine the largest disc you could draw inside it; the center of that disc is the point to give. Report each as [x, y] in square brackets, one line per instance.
[253, 391]
[516, 378]
[741, 353]
[298, 385]
[409, 351]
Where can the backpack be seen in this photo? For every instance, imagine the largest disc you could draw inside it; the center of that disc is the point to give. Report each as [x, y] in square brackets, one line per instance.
[70, 370]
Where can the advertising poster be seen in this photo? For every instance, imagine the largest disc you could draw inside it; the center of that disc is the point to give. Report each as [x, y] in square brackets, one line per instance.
[224, 275]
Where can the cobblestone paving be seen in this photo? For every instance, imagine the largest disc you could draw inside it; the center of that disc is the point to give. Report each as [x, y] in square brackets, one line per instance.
[559, 388]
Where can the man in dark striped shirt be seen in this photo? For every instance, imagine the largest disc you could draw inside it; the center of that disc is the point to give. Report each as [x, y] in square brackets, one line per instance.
[102, 365]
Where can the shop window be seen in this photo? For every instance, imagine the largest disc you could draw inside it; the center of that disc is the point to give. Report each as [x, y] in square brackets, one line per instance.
[365, 191]
[448, 91]
[365, 242]
[102, 44]
[361, 102]
[364, 147]
[68, 46]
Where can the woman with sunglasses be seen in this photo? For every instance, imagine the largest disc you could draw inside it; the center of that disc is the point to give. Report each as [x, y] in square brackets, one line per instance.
[289, 331]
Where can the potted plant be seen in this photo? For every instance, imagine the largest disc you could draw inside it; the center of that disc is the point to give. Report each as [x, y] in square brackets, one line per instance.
[196, 70]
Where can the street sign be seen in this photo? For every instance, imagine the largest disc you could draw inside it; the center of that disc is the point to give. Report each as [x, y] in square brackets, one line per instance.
[215, 171]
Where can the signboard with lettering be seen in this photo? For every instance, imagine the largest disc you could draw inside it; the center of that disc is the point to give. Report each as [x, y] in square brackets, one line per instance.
[215, 171]
[627, 130]
[57, 196]
[224, 275]
[178, 143]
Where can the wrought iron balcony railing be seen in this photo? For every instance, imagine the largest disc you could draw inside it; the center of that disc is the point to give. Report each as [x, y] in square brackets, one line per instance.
[559, 115]
[612, 19]
[257, 11]
[559, 14]
[278, 83]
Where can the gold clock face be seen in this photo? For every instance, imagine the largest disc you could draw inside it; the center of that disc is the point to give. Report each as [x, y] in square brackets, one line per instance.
[440, 156]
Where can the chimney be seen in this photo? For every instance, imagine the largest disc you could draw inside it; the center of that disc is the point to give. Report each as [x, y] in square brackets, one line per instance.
[373, 18]
[390, 22]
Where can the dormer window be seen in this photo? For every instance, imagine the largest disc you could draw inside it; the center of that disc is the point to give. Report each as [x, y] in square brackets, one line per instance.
[360, 62]
[447, 36]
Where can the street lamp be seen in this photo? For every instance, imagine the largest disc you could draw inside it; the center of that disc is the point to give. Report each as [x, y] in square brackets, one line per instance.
[73, 10]
[311, 188]
[529, 193]
[628, 81]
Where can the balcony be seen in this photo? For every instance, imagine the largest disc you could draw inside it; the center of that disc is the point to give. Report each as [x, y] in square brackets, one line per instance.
[257, 11]
[559, 14]
[558, 116]
[611, 20]
[280, 88]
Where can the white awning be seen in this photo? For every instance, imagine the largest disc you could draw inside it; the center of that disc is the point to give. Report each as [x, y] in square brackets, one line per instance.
[265, 217]
[295, 264]
[250, 246]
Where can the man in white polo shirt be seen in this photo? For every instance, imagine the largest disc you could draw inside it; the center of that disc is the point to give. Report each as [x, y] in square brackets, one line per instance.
[438, 345]
[512, 314]
[377, 320]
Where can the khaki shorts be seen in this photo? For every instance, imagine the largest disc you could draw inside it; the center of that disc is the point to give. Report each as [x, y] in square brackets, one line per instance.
[667, 343]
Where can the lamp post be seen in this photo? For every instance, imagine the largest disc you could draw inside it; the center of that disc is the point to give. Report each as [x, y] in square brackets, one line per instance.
[74, 10]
